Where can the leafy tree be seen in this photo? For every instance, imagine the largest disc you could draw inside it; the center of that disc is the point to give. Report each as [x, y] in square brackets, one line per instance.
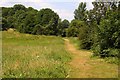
[19, 17]
[17, 7]
[73, 30]
[62, 26]
[65, 23]
[80, 12]
[29, 22]
[108, 40]
[4, 24]
[100, 9]
[48, 19]
[5, 12]
[45, 16]
[10, 21]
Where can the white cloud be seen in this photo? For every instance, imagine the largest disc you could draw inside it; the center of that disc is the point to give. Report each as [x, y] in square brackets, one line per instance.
[64, 14]
[44, 5]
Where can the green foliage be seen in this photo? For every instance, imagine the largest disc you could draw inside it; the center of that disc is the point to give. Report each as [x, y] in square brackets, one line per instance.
[65, 23]
[84, 37]
[29, 22]
[53, 22]
[26, 20]
[5, 12]
[106, 41]
[113, 60]
[73, 30]
[4, 24]
[17, 7]
[100, 29]
[45, 16]
[62, 26]
[80, 12]
[38, 29]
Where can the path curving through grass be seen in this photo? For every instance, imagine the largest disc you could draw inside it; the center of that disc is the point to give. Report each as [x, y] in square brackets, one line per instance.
[83, 66]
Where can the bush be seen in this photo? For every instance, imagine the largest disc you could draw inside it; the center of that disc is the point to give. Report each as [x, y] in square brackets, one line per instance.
[72, 31]
[85, 37]
[108, 37]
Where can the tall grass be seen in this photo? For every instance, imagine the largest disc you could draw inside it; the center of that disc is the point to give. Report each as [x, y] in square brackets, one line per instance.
[33, 56]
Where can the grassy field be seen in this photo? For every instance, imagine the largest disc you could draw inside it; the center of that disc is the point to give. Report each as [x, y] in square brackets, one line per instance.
[33, 56]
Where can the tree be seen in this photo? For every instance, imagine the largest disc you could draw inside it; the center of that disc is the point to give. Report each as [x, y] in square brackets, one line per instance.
[80, 12]
[65, 23]
[5, 12]
[19, 17]
[38, 29]
[17, 7]
[45, 16]
[108, 35]
[62, 26]
[49, 20]
[4, 24]
[29, 22]
[73, 30]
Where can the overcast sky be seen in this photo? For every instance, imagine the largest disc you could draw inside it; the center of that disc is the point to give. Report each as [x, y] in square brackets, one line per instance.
[64, 8]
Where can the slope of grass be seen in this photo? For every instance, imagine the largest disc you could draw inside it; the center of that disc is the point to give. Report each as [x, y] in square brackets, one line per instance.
[33, 56]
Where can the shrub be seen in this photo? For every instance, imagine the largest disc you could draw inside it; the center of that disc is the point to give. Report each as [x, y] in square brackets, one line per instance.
[85, 37]
[72, 31]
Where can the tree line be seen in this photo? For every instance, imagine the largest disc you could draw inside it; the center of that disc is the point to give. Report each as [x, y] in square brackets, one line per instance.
[31, 21]
[98, 29]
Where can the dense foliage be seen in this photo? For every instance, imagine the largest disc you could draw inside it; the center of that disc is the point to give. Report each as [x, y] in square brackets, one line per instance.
[29, 20]
[101, 30]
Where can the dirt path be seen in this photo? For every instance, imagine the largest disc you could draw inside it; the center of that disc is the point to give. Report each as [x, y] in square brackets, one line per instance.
[82, 66]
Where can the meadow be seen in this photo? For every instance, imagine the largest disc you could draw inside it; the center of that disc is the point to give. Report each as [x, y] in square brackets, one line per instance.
[33, 56]
[40, 56]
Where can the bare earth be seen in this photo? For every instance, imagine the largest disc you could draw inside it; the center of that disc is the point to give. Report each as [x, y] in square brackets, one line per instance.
[82, 66]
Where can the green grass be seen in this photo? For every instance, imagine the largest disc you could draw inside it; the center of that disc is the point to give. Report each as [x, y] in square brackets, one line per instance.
[33, 56]
[75, 41]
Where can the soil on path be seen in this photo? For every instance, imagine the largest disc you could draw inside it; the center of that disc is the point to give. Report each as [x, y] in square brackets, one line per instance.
[82, 66]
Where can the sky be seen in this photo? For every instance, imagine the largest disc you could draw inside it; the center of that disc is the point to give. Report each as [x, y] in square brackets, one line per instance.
[64, 8]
